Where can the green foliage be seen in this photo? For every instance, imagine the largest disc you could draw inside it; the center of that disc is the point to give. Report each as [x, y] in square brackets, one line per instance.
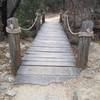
[26, 14]
[26, 34]
[27, 9]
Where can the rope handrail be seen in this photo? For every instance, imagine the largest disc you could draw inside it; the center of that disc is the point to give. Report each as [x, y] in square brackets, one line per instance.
[69, 28]
[79, 33]
[27, 29]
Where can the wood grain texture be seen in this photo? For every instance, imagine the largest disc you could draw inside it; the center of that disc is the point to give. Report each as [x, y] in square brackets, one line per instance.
[42, 79]
[48, 70]
[84, 43]
[14, 43]
[28, 58]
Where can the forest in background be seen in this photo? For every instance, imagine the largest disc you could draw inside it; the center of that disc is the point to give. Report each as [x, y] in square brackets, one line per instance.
[78, 10]
[25, 10]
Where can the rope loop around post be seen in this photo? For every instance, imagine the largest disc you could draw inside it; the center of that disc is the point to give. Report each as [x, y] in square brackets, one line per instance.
[86, 34]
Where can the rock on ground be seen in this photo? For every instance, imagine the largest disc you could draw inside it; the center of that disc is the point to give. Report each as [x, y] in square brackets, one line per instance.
[6, 77]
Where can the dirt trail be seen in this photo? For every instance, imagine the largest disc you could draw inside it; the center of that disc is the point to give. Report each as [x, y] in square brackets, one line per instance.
[85, 87]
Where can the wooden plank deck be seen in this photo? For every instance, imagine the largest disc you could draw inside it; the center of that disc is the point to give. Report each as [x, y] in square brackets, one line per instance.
[49, 59]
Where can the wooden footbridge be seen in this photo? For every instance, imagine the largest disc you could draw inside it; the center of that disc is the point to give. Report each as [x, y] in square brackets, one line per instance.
[50, 58]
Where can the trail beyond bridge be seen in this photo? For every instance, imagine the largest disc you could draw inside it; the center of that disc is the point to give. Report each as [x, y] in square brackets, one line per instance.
[50, 57]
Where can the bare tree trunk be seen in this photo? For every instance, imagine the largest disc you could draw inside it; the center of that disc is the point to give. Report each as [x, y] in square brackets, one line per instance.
[15, 8]
[64, 4]
[4, 15]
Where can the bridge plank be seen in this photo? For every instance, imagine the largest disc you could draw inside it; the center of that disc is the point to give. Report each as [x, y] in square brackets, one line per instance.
[46, 63]
[53, 39]
[51, 45]
[42, 79]
[49, 55]
[47, 70]
[47, 49]
[47, 59]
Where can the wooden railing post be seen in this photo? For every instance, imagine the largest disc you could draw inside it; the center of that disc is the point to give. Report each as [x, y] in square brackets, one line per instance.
[83, 50]
[85, 37]
[13, 30]
[43, 17]
[38, 23]
[61, 15]
[39, 20]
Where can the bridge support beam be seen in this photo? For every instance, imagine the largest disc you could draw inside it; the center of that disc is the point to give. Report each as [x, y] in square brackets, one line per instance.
[14, 43]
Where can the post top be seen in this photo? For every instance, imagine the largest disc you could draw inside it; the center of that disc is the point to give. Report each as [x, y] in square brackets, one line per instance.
[13, 26]
[12, 21]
